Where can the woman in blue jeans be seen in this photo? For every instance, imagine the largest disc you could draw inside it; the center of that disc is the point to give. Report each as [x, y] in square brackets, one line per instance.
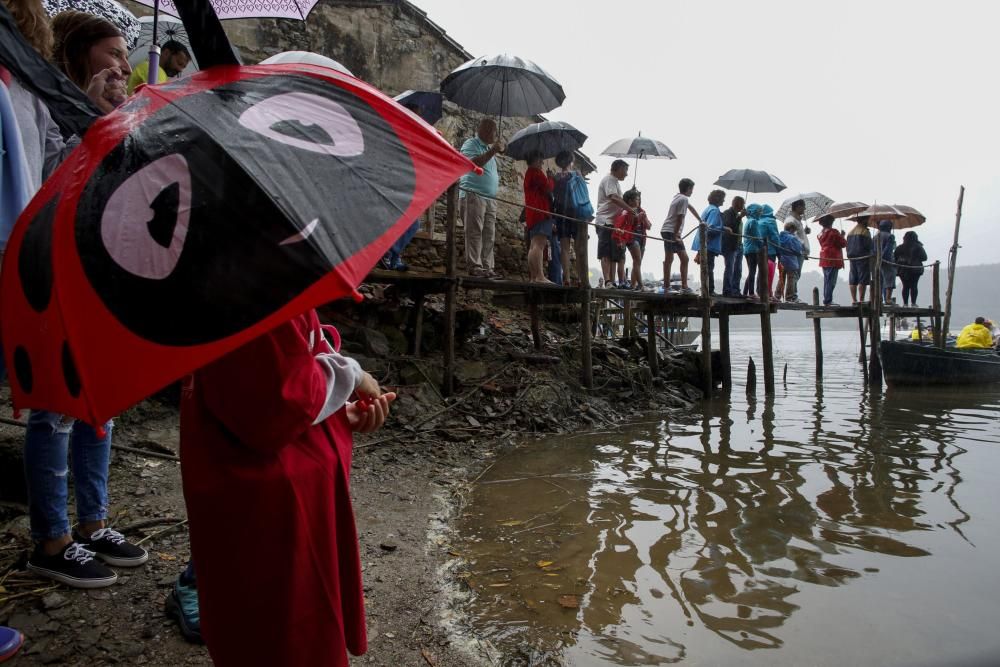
[92, 53]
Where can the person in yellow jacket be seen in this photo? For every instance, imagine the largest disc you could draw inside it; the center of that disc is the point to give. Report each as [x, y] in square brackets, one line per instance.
[975, 336]
[174, 57]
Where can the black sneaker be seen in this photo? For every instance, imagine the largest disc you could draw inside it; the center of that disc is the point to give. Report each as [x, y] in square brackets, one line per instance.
[112, 547]
[74, 566]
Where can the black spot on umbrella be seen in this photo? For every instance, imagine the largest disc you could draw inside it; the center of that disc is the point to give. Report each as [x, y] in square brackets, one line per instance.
[70, 375]
[34, 261]
[298, 130]
[22, 369]
[228, 261]
[164, 220]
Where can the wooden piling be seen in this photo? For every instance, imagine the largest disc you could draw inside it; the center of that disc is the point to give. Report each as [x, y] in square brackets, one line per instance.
[727, 371]
[586, 332]
[764, 291]
[874, 323]
[938, 328]
[751, 377]
[417, 324]
[952, 260]
[864, 343]
[818, 335]
[651, 354]
[706, 315]
[450, 295]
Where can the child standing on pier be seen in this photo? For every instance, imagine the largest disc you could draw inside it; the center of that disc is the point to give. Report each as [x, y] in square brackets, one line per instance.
[859, 252]
[831, 256]
[628, 229]
[790, 256]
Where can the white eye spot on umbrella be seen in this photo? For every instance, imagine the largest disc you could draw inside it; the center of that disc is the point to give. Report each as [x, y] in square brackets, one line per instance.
[302, 235]
[306, 121]
[145, 222]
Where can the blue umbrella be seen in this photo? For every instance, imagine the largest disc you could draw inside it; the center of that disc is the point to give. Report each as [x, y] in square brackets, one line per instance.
[428, 103]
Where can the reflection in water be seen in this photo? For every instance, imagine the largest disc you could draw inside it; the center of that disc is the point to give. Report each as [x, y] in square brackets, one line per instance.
[667, 542]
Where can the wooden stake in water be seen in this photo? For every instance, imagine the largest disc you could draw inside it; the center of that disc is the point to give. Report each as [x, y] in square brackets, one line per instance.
[751, 377]
[818, 335]
[952, 260]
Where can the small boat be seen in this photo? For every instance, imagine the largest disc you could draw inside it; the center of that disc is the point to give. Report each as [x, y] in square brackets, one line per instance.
[915, 364]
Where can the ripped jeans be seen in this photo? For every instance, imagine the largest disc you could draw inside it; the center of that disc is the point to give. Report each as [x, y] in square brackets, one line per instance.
[46, 450]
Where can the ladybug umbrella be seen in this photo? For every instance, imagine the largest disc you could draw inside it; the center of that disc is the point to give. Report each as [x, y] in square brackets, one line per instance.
[200, 215]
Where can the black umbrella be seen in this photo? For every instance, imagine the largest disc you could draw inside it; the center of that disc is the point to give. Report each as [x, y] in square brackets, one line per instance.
[503, 85]
[548, 138]
[428, 103]
[750, 180]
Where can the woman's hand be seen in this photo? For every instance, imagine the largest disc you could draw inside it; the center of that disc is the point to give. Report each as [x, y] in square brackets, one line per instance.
[107, 89]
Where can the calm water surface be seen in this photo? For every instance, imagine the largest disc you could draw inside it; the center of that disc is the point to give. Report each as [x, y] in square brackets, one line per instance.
[823, 527]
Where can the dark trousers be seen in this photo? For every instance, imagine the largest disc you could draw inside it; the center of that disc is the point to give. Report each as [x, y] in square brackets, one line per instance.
[711, 272]
[829, 282]
[750, 286]
[910, 290]
[733, 272]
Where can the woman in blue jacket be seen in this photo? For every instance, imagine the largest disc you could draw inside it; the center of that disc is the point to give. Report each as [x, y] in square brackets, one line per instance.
[769, 231]
[751, 245]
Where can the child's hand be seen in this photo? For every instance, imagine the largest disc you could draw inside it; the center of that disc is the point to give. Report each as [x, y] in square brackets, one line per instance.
[368, 388]
[368, 418]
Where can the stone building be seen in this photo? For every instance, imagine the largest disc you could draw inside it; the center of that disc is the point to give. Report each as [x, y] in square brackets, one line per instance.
[393, 45]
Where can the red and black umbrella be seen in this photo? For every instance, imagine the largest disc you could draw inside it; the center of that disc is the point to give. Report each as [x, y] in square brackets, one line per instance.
[197, 217]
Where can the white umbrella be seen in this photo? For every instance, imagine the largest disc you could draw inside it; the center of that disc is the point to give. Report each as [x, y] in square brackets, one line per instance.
[817, 204]
[640, 148]
[308, 58]
[170, 29]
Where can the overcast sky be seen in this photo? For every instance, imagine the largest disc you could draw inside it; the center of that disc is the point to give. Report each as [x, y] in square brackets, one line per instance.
[860, 100]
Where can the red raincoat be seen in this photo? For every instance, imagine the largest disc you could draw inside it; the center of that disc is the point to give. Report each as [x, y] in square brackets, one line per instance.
[272, 530]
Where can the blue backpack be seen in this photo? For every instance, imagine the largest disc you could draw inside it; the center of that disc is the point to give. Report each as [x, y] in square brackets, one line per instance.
[572, 198]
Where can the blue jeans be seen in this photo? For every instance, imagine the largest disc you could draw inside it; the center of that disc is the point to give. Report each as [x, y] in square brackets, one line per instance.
[46, 448]
[555, 260]
[829, 282]
[395, 254]
[734, 271]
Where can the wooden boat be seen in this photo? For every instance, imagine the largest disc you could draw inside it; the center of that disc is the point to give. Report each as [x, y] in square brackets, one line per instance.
[914, 364]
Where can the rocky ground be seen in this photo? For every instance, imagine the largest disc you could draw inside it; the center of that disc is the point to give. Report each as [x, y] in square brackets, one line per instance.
[407, 481]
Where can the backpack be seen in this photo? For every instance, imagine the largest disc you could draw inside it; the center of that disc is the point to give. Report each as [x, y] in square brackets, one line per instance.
[576, 199]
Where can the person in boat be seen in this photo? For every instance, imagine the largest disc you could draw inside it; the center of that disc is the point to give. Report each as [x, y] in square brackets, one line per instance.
[975, 336]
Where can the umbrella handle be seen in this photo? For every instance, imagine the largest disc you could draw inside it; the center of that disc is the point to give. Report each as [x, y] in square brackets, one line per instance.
[154, 50]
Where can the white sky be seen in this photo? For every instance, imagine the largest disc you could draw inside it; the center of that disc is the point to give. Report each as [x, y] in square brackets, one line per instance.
[894, 101]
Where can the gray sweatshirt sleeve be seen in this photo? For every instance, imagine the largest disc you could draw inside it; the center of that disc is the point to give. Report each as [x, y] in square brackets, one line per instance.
[343, 375]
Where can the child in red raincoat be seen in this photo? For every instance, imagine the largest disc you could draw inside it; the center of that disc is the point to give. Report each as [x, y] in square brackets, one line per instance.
[266, 459]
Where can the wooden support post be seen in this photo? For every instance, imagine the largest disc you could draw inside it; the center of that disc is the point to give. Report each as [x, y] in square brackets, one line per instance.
[864, 344]
[765, 323]
[628, 326]
[586, 332]
[818, 334]
[938, 328]
[952, 260]
[727, 370]
[651, 354]
[536, 329]
[751, 377]
[892, 327]
[706, 316]
[875, 319]
[450, 295]
[417, 324]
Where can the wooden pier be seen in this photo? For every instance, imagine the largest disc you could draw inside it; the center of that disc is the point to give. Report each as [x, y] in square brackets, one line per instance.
[650, 307]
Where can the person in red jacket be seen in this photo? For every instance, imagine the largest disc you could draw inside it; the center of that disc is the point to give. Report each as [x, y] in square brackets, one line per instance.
[537, 208]
[629, 229]
[265, 460]
[831, 256]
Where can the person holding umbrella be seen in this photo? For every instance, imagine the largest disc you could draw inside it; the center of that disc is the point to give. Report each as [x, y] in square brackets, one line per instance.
[174, 59]
[478, 206]
[609, 203]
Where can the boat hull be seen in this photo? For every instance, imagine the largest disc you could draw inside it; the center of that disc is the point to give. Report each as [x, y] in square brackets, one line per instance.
[915, 364]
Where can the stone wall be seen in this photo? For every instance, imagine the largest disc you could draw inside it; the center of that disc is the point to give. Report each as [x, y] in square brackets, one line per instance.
[392, 45]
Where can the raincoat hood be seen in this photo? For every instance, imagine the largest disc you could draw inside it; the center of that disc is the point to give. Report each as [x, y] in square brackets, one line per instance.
[754, 210]
[768, 212]
[885, 226]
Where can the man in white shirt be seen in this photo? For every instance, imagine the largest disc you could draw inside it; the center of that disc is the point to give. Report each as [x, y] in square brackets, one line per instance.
[673, 233]
[609, 203]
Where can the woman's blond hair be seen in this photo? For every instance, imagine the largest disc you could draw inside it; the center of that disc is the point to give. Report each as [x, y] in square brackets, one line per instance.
[33, 23]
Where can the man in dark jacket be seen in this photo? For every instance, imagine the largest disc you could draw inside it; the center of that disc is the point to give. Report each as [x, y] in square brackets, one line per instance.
[732, 247]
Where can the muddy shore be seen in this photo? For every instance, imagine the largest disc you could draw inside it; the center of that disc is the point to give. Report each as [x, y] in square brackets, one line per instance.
[407, 482]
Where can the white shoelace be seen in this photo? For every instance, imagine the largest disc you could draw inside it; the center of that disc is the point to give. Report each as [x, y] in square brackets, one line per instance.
[77, 552]
[111, 535]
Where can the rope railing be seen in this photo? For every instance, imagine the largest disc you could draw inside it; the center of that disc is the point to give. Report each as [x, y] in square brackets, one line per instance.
[739, 236]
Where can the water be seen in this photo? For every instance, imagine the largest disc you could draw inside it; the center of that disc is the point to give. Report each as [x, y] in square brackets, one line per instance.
[823, 527]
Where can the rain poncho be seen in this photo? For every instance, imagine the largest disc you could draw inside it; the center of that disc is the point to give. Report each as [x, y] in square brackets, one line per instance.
[751, 230]
[886, 240]
[791, 251]
[973, 337]
[769, 231]
[712, 218]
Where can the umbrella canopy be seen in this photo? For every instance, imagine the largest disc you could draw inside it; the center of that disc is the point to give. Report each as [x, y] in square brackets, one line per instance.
[549, 138]
[200, 215]
[308, 58]
[246, 9]
[912, 217]
[169, 29]
[844, 209]
[817, 204]
[503, 85]
[110, 10]
[428, 103]
[750, 180]
[640, 148]
[876, 213]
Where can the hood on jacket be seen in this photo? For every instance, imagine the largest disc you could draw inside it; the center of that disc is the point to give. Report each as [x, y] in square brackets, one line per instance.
[910, 238]
[754, 210]
[885, 226]
[767, 212]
